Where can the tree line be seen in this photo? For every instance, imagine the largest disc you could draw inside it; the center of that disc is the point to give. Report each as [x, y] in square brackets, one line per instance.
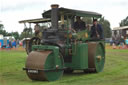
[124, 22]
[5, 33]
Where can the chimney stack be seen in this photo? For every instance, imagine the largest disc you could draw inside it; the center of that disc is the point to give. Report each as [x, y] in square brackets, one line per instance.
[54, 16]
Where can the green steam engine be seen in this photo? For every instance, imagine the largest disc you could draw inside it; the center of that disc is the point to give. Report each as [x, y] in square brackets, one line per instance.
[61, 49]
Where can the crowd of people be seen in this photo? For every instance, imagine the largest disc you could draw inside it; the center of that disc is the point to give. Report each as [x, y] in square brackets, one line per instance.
[121, 42]
[12, 44]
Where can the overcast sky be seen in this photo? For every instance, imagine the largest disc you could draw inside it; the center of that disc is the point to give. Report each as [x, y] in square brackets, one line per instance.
[12, 11]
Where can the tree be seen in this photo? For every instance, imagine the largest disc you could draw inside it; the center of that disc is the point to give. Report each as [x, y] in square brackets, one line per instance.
[27, 33]
[1, 26]
[2, 31]
[15, 34]
[124, 22]
[88, 20]
[106, 27]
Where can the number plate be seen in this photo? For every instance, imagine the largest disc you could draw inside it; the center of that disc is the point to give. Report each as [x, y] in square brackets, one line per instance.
[33, 71]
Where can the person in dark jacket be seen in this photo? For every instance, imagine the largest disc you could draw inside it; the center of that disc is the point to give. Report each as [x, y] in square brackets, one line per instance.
[79, 24]
[96, 30]
[10, 44]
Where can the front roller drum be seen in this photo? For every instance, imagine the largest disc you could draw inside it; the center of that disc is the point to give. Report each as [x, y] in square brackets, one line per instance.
[96, 56]
[41, 66]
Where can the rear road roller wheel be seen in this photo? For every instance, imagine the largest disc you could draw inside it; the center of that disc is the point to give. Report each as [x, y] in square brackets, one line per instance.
[96, 56]
[41, 66]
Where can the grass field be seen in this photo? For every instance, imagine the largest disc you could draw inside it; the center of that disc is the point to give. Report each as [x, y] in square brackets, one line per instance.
[115, 71]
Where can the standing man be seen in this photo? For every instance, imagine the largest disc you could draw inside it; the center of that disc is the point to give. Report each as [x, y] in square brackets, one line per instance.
[10, 44]
[126, 41]
[96, 30]
[79, 25]
[38, 32]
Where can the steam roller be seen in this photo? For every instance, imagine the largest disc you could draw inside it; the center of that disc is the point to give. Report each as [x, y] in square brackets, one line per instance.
[44, 65]
[61, 49]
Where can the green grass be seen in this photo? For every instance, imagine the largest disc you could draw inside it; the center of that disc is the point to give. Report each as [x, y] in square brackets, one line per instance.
[115, 71]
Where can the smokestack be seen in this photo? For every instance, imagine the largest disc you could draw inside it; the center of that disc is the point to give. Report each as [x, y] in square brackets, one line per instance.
[54, 16]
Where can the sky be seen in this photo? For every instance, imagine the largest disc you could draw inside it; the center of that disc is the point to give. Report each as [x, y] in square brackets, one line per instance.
[12, 11]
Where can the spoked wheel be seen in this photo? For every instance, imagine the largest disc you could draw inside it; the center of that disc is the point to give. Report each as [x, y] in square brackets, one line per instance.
[33, 41]
[96, 56]
[41, 66]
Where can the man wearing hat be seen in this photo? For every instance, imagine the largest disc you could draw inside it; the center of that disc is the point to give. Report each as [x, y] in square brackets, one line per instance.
[96, 30]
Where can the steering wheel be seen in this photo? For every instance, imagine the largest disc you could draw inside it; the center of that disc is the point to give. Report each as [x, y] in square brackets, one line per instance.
[33, 41]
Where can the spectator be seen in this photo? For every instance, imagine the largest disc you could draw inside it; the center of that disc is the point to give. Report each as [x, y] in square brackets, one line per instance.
[24, 43]
[17, 42]
[126, 41]
[14, 43]
[122, 42]
[10, 44]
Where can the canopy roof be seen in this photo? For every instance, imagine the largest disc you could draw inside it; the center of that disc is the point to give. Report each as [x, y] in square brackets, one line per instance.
[73, 12]
[120, 28]
[39, 20]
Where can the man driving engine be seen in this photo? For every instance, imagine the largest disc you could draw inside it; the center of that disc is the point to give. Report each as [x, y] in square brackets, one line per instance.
[38, 32]
[79, 24]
